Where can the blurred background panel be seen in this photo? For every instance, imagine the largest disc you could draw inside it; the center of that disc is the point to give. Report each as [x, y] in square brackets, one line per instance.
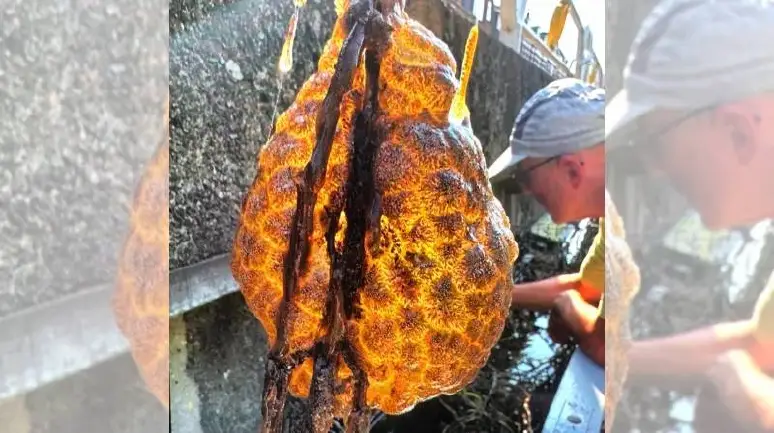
[691, 276]
[82, 89]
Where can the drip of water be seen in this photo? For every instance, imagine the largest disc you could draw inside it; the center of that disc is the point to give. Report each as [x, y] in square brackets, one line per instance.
[459, 108]
[285, 64]
[286, 57]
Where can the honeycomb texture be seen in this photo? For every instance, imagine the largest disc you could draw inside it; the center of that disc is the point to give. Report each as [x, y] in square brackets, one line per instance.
[141, 300]
[622, 282]
[437, 274]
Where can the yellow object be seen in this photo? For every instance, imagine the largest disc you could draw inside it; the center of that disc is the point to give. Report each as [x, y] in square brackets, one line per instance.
[459, 108]
[592, 272]
[508, 15]
[764, 313]
[340, 6]
[286, 57]
[558, 19]
[593, 75]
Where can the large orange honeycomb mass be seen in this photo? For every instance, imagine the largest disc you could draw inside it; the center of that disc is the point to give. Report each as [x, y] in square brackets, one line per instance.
[141, 299]
[433, 286]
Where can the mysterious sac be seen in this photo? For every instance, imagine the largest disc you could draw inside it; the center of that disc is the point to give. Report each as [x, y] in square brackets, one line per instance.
[370, 245]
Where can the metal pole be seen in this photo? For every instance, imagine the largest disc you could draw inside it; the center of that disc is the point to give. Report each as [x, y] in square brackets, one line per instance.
[581, 48]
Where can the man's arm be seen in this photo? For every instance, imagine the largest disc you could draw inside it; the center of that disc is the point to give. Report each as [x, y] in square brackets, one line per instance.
[747, 391]
[589, 282]
[540, 295]
[692, 353]
[688, 354]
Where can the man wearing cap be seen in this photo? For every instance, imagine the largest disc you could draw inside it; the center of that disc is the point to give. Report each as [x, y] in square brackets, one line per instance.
[557, 155]
[698, 107]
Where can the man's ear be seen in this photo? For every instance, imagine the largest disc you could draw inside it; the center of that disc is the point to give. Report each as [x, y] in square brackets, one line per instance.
[739, 120]
[573, 168]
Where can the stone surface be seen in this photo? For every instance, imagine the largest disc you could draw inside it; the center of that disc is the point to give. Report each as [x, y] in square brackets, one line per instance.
[183, 13]
[81, 95]
[217, 366]
[225, 359]
[224, 84]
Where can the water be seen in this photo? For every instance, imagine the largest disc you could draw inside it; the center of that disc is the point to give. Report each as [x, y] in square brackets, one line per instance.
[540, 349]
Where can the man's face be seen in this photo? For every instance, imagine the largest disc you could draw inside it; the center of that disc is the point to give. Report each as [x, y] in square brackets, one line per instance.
[559, 184]
[719, 158]
[531, 177]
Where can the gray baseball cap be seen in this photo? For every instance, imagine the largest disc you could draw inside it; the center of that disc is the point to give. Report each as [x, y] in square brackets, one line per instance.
[692, 54]
[566, 116]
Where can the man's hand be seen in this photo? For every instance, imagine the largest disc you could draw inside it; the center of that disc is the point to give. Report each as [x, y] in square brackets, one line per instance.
[572, 316]
[744, 388]
[558, 329]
